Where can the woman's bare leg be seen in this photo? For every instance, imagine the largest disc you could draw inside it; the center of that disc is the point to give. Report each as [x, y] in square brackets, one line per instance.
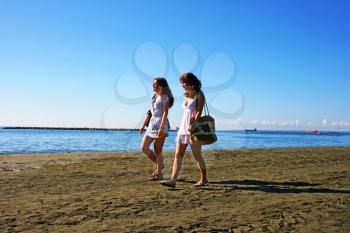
[158, 149]
[197, 154]
[179, 154]
[146, 142]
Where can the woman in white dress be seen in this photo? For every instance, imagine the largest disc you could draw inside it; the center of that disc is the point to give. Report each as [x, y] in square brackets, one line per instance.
[193, 104]
[158, 127]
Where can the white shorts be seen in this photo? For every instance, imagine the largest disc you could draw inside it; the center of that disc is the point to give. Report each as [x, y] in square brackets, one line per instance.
[183, 139]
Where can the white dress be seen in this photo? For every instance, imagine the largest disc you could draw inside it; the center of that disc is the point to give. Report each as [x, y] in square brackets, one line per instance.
[183, 136]
[157, 109]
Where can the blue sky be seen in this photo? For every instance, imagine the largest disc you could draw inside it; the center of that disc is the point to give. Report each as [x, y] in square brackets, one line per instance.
[66, 63]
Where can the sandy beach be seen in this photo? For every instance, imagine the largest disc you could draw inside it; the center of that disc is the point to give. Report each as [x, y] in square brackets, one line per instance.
[251, 190]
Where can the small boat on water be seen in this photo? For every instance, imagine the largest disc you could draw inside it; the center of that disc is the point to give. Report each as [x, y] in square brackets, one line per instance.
[314, 131]
[251, 130]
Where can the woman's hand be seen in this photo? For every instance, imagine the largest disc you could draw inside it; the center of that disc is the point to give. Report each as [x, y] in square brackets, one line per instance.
[142, 129]
[161, 133]
[192, 119]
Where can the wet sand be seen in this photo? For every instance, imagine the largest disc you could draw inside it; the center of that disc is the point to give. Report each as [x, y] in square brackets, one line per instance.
[255, 190]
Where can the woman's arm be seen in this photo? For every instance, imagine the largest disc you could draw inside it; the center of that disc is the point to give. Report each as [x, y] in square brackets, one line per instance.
[147, 119]
[200, 104]
[164, 116]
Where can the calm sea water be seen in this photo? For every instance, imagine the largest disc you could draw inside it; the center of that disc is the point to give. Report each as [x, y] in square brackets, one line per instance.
[46, 141]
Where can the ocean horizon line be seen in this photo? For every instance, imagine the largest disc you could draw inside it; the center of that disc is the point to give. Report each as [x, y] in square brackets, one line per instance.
[173, 130]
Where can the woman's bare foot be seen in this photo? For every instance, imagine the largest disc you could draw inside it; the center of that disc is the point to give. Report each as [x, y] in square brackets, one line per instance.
[156, 176]
[201, 183]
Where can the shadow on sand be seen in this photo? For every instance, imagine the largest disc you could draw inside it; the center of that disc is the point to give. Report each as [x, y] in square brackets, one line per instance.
[267, 186]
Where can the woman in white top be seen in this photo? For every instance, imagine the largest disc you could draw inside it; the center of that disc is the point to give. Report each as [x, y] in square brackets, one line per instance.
[158, 127]
[193, 104]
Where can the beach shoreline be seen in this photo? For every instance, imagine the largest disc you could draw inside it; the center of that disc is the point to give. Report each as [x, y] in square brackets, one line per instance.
[251, 190]
[84, 153]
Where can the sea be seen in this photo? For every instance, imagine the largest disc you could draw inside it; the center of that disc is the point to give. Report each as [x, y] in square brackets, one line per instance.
[25, 141]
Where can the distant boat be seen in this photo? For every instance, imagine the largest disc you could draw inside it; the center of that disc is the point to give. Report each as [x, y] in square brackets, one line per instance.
[314, 131]
[251, 130]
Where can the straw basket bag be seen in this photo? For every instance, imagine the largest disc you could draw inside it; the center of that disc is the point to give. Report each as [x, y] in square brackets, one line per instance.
[202, 131]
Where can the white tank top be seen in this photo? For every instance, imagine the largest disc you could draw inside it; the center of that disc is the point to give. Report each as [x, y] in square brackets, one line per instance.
[190, 111]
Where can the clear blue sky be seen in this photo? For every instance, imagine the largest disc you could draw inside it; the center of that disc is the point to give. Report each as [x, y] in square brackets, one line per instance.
[60, 60]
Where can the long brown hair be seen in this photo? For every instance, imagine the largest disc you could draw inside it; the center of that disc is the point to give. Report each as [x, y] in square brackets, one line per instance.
[166, 89]
[191, 80]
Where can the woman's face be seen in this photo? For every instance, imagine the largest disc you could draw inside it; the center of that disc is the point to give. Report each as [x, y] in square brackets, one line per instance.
[156, 88]
[189, 90]
[185, 86]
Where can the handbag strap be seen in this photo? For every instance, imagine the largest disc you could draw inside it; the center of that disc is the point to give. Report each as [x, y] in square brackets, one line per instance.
[206, 109]
[154, 97]
[205, 106]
